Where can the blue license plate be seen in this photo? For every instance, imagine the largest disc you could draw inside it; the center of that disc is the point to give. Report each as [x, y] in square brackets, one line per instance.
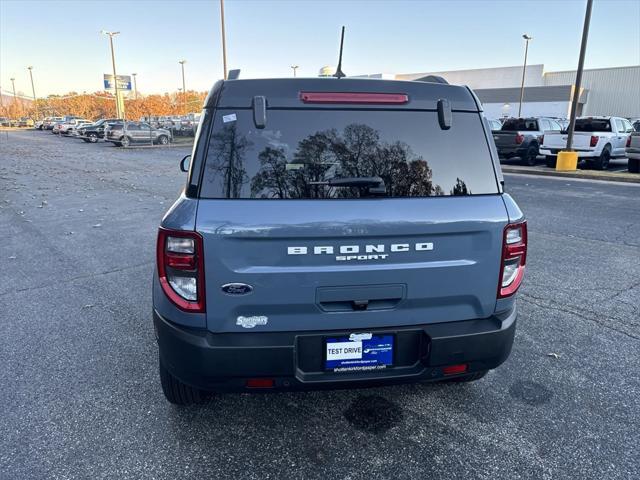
[360, 352]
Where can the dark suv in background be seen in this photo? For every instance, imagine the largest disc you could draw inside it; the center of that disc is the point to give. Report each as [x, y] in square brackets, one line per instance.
[336, 232]
[92, 133]
[522, 137]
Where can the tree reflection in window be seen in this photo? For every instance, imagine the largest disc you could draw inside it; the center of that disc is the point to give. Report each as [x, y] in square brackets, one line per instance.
[357, 152]
[226, 159]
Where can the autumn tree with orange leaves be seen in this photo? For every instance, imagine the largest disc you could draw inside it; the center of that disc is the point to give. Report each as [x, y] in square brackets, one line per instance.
[94, 106]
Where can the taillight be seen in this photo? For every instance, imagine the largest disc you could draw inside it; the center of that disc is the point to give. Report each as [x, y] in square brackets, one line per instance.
[541, 140]
[594, 140]
[354, 97]
[514, 258]
[519, 138]
[628, 141]
[181, 268]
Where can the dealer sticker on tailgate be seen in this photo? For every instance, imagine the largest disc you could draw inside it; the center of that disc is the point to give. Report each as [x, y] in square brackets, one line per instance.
[359, 353]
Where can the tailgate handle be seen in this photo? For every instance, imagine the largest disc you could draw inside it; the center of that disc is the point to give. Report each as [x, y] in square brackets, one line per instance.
[359, 299]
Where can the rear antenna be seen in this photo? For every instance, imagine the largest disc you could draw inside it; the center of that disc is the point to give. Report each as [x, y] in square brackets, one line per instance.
[339, 73]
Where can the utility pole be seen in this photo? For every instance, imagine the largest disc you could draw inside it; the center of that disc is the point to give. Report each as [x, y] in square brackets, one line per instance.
[294, 68]
[224, 40]
[119, 114]
[524, 69]
[184, 90]
[33, 90]
[135, 86]
[576, 91]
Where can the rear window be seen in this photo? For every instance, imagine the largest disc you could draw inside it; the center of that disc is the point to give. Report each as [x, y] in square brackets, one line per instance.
[520, 124]
[301, 153]
[592, 125]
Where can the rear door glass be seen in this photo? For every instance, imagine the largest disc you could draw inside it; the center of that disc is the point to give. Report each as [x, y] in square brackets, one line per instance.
[301, 151]
[520, 124]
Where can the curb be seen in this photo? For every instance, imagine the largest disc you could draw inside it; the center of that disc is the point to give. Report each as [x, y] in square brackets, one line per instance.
[578, 174]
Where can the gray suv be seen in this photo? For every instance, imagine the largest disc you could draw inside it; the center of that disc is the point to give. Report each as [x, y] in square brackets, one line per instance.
[336, 232]
[123, 135]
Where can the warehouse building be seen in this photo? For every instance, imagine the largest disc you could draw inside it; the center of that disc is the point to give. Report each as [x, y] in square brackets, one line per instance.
[605, 91]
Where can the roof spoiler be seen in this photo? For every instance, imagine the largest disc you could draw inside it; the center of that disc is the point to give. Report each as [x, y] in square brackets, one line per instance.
[433, 79]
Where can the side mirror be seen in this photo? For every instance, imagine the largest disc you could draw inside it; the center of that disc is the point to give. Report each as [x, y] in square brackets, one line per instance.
[184, 163]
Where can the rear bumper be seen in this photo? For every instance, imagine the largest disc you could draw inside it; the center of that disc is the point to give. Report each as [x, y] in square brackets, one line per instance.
[508, 152]
[552, 152]
[295, 360]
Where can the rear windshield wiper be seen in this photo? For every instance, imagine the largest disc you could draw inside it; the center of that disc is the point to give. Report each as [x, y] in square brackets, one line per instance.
[375, 184]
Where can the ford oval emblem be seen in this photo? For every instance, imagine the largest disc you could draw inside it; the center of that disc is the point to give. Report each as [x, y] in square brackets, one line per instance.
[237, 288]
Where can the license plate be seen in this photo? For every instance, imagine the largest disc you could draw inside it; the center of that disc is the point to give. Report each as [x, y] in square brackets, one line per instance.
[359, 353]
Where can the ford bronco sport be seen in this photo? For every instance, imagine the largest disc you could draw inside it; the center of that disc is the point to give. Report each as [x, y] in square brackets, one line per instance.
[336, 232]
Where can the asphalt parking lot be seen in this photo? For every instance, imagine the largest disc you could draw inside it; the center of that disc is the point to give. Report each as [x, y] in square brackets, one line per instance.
[80, 393]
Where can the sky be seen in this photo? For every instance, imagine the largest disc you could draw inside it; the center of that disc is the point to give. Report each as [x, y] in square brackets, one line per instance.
[61, 39]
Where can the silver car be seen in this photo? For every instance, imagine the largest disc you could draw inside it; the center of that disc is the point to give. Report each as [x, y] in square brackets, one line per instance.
[123, 135]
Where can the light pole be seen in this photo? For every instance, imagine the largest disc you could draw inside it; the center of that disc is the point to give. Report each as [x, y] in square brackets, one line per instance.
[33, 90]
[184, 90]
[524, 69]
[115, 78]
[135, 86]
[224, 40]
[576, 91]
[294, 68]
[15, 98]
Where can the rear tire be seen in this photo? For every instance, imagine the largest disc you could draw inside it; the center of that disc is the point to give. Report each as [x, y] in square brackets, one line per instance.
[531, 156]
[602, 162]
[471, 377]
[551, 161]
[177, 392]
[163, 140]
[634, 165]
[125, 141]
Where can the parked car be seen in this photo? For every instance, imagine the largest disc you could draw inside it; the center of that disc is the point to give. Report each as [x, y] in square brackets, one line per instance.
[124, 134]
[494, 124]
[50, 122]
[521, 137]
[24, 122]
[596, 140]
[92, 133]
[65, 127]
[632, 151]
[75, 129]
[636, 126]
[360, 245]
[5, 122]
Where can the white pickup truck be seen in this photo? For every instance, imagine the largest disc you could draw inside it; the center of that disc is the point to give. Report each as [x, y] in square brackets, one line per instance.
[596, 140]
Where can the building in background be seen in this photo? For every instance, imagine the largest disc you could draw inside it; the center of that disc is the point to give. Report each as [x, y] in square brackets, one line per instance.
[605, 91]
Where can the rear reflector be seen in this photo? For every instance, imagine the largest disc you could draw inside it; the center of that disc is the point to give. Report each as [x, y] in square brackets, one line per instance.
[350, 97]
[455, 369]
[261, 383]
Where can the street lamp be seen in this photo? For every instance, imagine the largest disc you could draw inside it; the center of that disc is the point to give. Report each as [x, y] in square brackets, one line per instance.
[33, 90]
[15, 98]
[524, 69]
[294, 68]
[115, 78]
[135, 86]
[184, 90]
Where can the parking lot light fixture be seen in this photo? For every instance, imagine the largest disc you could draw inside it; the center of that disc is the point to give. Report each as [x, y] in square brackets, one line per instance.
[15, 97]
[524, 69]
[33, 90]
[294, 68]
[184, 90]
[113, 64]
[135, 86]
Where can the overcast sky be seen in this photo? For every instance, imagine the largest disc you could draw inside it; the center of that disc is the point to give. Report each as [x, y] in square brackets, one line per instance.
[62, 39]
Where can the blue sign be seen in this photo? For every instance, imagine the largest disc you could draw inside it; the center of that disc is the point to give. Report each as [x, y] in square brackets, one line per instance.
[124, 82]
[359, 352]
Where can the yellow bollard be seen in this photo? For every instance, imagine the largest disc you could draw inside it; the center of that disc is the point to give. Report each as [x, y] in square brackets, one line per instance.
[567, 161]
